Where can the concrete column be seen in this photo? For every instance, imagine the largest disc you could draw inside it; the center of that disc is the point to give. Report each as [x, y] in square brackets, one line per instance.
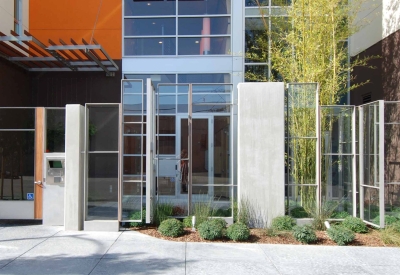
[261, 151]
[74, 162]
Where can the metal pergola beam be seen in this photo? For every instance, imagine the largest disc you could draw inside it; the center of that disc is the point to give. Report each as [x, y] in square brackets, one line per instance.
[36, 56]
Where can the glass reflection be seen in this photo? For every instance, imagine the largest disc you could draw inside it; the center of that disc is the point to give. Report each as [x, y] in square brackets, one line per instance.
[102, 186]
[197, 26]
[204, 45]
[103, 128]
[16, 164]
[55, 130]
[154, 7]
[149, 46]
[150, 26]
[189, 7]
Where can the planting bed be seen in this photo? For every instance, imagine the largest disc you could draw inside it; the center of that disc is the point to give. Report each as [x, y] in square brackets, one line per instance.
[258, 236]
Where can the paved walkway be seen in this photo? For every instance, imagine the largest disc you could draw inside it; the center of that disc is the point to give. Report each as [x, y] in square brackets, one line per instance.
[37, 249]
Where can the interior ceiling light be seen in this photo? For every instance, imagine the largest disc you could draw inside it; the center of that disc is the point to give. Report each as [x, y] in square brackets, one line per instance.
[148, 4]
[197, 41]
[160, 42]
[154, 23]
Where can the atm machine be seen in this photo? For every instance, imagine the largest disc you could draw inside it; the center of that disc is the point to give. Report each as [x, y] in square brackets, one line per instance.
[53, 188]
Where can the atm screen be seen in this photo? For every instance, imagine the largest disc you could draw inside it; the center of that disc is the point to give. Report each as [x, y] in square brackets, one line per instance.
[55, 164]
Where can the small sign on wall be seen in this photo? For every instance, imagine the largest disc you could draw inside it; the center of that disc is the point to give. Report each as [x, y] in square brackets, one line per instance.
[30, 196]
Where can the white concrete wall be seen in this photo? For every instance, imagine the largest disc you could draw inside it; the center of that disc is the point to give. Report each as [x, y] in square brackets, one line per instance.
[261, 150]
[16, 210]
[74, 165]
[378, 19]
[6, 16]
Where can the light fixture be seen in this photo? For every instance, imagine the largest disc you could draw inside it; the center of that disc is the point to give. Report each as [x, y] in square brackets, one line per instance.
[154, 23]
[159, 42]
[197, 41]
[148, 4]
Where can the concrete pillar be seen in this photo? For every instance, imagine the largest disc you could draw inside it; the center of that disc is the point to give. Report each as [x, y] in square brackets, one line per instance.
[74, 162]
[261, 151]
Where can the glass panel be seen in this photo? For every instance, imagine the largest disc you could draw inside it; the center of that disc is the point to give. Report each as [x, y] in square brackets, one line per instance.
[166, 145]
[182, 104]
[253, 3]
[281, 2]
[102, 187]
[133, 87]
[212, 89]
[371, 205]
[300, 199]
[133, 104]
[167, 124]
[371, 142]
[17, 118]
[149, 46]
[165, 186]
[103, 128]
[166, 104]
[218, 197]
[204, 25]
[256, 11]
[211, 98]
[16, 164]
[150, 26]
[256, 73]
[155, 79]
[256, 40]
[131, 200]
[141, 8]
[204, 45]
[55, 130]
[190, 7]
[132, 165]
[221, 150]
[134, 128]
[132, 145]
[204, 78]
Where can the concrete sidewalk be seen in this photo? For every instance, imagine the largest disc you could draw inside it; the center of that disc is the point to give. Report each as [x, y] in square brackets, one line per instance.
[37, 249]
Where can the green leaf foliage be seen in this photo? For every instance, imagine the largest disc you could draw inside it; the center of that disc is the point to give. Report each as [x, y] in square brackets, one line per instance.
[238, 232]
[341, 235]
[354, 224]
[340, 215]
[138, 216]
[187, 222]
[388, 220]
[211, 229]
[304, 234]
[171, 228]
[283, 223]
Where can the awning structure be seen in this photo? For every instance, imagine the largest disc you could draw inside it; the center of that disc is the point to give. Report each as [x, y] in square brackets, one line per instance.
[31, 54]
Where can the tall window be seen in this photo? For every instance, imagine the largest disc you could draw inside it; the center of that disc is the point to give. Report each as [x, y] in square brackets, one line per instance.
[177, 27]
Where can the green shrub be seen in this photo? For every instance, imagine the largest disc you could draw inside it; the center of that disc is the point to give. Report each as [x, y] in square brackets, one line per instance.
[221, 222]
[298, 212]
[171, 228]
[388, 220]
[238, 232]
[187, 222]
[354, 224]
[283, 223]
[211, 229]
[396, 226]
[162, 212]
[304, 234]
[341, 235]
[137, 216]
[222, 213]
[340, 215]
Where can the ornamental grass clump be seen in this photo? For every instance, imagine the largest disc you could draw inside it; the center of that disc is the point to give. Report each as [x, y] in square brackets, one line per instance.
[341, 235]
[238, 232]
[355, 224]
[187, 222]
[304, 234]
[391, 234]
[161, 212]
[211, 229]
[171, 228]
[283, 223]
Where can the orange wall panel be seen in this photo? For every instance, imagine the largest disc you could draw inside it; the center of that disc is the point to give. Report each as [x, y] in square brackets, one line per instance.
[65, 19]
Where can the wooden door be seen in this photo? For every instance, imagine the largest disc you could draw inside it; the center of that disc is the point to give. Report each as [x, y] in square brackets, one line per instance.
[39, 151]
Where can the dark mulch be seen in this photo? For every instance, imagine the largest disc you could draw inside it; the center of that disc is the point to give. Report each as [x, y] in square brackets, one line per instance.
[258, 236]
